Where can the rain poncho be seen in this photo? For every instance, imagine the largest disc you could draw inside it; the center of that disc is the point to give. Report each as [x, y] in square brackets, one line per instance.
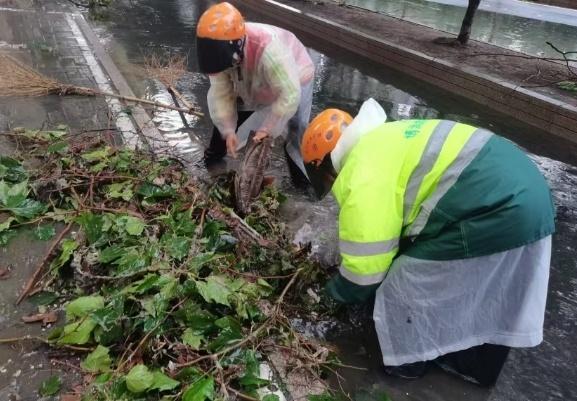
[453, 225]
[428, 308]
[275, 67]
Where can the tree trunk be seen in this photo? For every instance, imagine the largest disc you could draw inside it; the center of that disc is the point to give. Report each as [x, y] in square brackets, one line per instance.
[465, 32]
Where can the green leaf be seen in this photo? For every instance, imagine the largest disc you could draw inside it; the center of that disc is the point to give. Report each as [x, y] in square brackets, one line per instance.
[83, 306]
[45, 232]
[133, 225]
[103, 378]
[58, 147]
[215, 289]
[201, 259]
[111, 253]
[109, 316]
[200, 391]
[230, 334]
[169, 285]
[253, 382]
[44, 298]
[162, 382]
[68, 247]
[271, 397]
[6, 236]
[178, 247]
[321, 397]
[122, 190]
[12, 196]
[568, 86]
[195, 317]
[92, 224]
[192, 339]
[181, 223]
[77, 332]
[50, 386]
[141, 286]
[150, 191]
[97, 155]
[11, 170]
[5, 225]
[139, 379]
[133, 259]
[98, 361]
[28, 208]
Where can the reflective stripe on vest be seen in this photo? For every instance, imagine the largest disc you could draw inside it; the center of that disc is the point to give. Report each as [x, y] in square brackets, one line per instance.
[359, 279]
[449, 177]
[367, 248]
[387, 184]
[426, 163]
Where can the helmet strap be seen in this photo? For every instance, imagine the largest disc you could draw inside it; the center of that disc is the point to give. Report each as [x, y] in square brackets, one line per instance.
[322, 176]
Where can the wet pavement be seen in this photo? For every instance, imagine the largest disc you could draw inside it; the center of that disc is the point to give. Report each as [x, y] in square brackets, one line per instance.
[524, 9]
[41, 36]
[542, 373]
[516, 25]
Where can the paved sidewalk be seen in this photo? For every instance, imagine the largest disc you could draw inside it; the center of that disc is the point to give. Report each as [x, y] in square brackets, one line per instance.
[50, 37]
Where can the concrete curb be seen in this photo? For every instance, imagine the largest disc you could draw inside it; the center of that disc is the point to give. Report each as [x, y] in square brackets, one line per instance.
[138, 115]
[550, 115]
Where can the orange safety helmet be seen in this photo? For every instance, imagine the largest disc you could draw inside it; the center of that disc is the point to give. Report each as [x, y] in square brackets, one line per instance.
[220, 35]
[319, 140]
[322, 135]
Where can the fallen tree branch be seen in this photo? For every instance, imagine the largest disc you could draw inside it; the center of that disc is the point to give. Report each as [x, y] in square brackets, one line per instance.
[32, 280]
[252, 336]
[12, 340]
[567, 60]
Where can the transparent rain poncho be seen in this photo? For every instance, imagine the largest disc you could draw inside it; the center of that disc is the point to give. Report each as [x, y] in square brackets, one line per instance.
[269, 80]
[427, 308]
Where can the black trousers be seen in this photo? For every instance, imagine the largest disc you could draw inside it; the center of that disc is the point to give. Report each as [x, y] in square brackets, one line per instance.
[217, 148]
[483, 363]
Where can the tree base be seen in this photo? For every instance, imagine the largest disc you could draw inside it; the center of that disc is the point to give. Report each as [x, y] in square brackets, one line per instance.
[454, 42]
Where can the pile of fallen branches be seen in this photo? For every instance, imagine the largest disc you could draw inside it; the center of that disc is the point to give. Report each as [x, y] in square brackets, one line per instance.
[165, 290]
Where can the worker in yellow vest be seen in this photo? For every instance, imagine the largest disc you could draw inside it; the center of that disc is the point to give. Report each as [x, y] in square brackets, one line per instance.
[448, 226]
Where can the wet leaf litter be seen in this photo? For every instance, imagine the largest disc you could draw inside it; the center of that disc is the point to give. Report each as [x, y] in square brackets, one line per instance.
[166, 292]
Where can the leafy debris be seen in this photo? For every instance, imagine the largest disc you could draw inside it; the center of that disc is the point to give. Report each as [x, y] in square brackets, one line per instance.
[171, 293]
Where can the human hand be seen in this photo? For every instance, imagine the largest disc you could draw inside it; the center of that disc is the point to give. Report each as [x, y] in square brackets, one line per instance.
[259, 136]
[231, 145]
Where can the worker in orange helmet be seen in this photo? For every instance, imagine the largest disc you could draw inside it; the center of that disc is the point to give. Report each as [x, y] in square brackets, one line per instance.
[446, 226]
[260, 80]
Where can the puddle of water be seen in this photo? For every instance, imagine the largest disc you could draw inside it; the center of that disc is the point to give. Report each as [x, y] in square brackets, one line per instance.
[514, 32]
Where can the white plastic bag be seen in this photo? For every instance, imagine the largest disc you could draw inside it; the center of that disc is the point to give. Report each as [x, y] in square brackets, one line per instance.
[370, 116]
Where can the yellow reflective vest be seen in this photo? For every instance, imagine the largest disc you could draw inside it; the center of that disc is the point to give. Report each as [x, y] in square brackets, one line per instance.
[395, 178]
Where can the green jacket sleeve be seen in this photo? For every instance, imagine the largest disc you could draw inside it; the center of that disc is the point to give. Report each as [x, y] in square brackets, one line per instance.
[347, 292]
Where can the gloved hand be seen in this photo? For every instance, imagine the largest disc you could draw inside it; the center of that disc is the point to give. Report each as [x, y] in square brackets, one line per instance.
[231, 144]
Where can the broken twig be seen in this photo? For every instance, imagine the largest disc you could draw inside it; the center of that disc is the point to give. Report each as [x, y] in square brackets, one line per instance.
[32, 280]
